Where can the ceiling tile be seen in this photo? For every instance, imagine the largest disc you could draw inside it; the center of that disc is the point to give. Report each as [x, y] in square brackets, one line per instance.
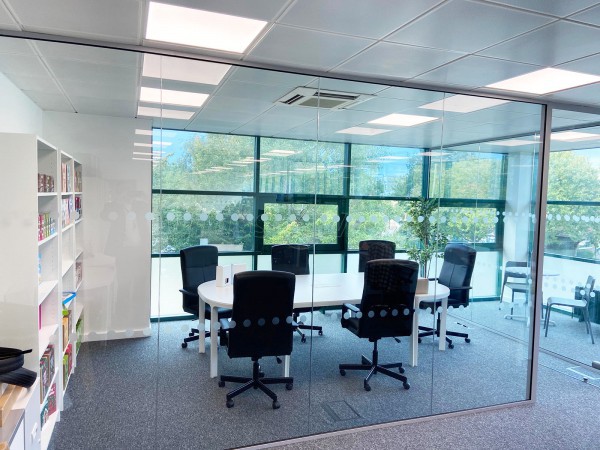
[417, 95]
[50, 102]
[21, 64]
[592, 16]
[82, 18]
[475, 71]
[15, 46]
[101, 91]
[104, 107]
[396, 61]
[556, 8]
[93, 73]
[255, 9]
[41, 82]
[96, 55]
[269, 77]
[174, 85]
[241, 105]
[355, 17]
[581, 95]
[6, 21]
[304, 48]
[590, 65]
[355, 87]
[551, 45]
[260, 92]
[383, 105]
[278, 119]
[465, 26]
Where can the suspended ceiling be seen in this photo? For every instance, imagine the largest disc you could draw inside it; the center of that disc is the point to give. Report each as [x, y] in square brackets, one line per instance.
[457, 44]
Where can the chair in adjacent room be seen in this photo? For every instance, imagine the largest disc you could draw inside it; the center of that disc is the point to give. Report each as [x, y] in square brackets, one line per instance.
[294, 258]
[198, 265]
[515, 278]
[386, 310]
[581, 303]
[261, 325]
[374, 249]
[456, 272]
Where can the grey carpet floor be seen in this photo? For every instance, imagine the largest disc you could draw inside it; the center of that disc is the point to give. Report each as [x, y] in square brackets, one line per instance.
[150, 393]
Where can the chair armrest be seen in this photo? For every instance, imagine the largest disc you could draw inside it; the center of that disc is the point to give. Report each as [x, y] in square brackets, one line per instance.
[351, 307]
[225, 324]
[460, 288]
[187, 292]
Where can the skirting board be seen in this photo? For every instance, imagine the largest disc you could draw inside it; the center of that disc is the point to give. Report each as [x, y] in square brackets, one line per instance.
[117, 334]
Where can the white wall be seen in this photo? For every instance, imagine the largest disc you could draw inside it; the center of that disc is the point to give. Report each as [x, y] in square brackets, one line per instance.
[116, 233]
[18, 114]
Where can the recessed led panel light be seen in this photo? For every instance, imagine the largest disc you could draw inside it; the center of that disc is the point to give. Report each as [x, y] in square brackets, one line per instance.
[402, 120]
[394, 158]
[143, 132]
[573, 136]
[281, 153]
[363, 131]
[197, 28]
[513, 142]
[180, 98]
[164, 113]
[141, 144]
[169, 68]
[545, 81]
[463, 104]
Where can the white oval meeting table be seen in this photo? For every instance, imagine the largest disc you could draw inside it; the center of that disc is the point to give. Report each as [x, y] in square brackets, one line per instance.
[316, 291]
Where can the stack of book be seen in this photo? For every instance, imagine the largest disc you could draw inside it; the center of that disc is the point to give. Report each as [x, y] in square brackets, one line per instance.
[46, 371]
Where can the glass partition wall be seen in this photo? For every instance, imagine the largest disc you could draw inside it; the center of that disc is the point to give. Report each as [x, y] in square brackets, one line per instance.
[571, 251]
[178, 153]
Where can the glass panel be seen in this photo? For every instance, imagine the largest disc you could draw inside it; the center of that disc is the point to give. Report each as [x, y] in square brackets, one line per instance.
[289, 166]
[572, 247]
[386, 171]
[299, 224]
[187, 220]
[204, 161]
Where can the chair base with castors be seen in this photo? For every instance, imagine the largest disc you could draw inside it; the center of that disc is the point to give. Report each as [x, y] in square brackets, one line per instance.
[426, 331]
[302, 326]
[374, 367]
[258, 381]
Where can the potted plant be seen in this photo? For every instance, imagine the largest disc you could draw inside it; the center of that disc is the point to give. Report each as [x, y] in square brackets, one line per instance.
[422, 224]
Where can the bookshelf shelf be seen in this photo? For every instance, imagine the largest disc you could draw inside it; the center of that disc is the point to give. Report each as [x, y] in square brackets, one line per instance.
[45, 288]
[45, 336]
[48, 239]
[68, 227]
[47, 194]
[66, 265]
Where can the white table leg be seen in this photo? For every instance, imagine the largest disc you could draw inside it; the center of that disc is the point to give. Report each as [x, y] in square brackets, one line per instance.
[413, 352]
[201, 327]
[286, 366]
[443, 316]
[214, 335]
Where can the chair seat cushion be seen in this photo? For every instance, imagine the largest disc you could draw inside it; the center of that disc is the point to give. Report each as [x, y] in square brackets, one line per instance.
[566, 302]
[518, 287]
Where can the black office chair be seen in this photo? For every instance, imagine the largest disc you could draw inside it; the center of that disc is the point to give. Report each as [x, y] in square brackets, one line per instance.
[374, 249]
[515, 278]
[294, 258]
[198, 265]
[386, 310]
[456, 272]
[261, 325]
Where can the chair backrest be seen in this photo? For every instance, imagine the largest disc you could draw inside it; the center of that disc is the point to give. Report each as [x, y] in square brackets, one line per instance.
[198, 265]
[521, 272]
[290, 258]
[262, 314]
[456, 272]
[387, 304]
[374, 249]
[588, 288]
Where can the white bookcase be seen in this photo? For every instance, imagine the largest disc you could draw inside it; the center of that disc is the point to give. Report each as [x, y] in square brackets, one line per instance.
[41, 259]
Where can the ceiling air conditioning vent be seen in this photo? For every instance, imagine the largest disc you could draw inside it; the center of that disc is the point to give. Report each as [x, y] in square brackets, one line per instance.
[315, 98]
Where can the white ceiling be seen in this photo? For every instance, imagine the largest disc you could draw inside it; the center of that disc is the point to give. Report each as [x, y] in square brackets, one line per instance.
[456, 44]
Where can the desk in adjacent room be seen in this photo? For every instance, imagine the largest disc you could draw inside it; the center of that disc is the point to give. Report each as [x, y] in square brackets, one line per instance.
[329, 290]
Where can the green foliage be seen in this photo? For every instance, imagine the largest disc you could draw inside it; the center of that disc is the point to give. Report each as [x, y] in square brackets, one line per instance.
[423, 226]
